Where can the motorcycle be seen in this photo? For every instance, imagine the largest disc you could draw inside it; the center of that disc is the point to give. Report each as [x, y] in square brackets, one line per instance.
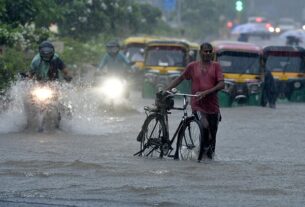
[114, 91]
[43, 106]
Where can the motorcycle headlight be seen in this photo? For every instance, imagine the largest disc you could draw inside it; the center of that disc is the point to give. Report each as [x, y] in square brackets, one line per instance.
[42, 94]
[113, 88]
[297, 85]
[253, 87]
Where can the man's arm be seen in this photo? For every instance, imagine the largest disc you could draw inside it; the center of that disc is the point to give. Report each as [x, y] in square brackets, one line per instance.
[175, 83]
[66, 73]
[219, 86]
[33, 67]
[126, 63]
[102, 63]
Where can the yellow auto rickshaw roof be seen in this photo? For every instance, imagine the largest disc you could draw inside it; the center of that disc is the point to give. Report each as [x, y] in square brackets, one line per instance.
[194, 45]
[220, 46]
[173, 42]
[139, 39]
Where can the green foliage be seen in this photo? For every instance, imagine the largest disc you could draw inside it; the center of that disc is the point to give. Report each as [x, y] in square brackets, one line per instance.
[76, 53]
[25, 12]
[24, 37]
[200, 17]
[83, 19]
[11, 62]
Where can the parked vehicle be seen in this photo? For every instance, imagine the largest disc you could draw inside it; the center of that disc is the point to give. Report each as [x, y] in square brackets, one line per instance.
[263, 27]
[134, 47]
[287, 65]
[241, 65]
[286, 24]
[164, 61]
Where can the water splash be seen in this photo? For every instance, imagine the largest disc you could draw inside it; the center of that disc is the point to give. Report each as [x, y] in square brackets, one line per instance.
[83, 111]
[12, 116]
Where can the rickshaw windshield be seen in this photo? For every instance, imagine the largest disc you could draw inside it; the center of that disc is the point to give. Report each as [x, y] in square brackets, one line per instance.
[278, 63]
[239, 62]
[166, 56]
[134, 52]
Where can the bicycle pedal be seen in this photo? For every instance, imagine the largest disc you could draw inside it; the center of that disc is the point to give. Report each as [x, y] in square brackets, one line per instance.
[171, 156]
[166, 148]
[154, 141]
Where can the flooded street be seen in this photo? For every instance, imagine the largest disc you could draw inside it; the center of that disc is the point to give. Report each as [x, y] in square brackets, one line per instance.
[75, 77]
[89, 162]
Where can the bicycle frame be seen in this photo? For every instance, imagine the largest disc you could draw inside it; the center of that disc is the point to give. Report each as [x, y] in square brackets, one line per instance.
[181, 124]
[164, 113]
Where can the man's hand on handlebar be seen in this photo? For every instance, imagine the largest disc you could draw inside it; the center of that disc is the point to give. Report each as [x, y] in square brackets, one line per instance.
[202, 94]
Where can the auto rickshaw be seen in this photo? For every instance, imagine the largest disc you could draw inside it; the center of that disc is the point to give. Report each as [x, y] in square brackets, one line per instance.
[133, 48]
[287, 65]
[164, 61]
[243, 74]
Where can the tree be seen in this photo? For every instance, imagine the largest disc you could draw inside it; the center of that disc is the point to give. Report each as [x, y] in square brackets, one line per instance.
[201, 18]
[83, 19]
[23, 12]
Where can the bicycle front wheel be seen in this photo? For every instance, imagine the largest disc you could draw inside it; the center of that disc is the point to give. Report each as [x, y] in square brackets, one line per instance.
[154, 132]
[190, 137]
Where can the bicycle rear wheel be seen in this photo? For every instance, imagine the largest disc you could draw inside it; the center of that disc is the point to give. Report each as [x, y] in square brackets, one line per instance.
[189, 140]
[154, 132]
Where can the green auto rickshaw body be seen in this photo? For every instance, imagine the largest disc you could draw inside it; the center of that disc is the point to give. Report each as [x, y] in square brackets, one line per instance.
[287, 65]
[243, 74]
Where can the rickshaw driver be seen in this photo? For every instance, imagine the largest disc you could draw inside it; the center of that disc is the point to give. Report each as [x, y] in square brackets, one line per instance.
[207, 78]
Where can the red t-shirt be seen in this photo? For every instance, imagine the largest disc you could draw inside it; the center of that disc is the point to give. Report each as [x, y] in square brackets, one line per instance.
[201, 81]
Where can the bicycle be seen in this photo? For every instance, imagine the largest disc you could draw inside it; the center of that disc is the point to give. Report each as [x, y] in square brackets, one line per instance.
[154, 134]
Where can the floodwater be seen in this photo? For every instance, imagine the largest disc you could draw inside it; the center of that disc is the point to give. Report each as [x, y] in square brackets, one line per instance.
[89, 161]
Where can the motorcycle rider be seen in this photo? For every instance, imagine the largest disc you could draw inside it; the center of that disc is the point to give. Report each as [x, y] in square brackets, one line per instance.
[47, 65]
[114, 61]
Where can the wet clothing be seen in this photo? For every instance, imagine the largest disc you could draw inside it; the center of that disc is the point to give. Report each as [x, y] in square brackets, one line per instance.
[119, 63]
[209, 141]
[47, 70]
[269, 90]
[204, 80]
[207, 108]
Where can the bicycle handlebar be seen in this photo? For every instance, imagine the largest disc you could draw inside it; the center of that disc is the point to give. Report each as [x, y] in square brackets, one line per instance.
[170, 94]
[185, 102]
[181, 94]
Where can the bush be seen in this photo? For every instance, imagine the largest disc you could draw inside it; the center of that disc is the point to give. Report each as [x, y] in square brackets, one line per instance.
[11, 62]
[77, 53]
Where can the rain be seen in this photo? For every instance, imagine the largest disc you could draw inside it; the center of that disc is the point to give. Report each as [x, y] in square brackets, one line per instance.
[74, 142]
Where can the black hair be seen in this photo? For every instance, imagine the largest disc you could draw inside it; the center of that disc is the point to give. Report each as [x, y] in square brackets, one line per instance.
[206, 46]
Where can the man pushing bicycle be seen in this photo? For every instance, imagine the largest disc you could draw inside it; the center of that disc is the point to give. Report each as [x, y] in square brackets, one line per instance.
[207, 79]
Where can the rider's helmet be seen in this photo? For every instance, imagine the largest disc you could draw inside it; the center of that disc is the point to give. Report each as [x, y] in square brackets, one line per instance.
[46, 50]
[113, 47]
